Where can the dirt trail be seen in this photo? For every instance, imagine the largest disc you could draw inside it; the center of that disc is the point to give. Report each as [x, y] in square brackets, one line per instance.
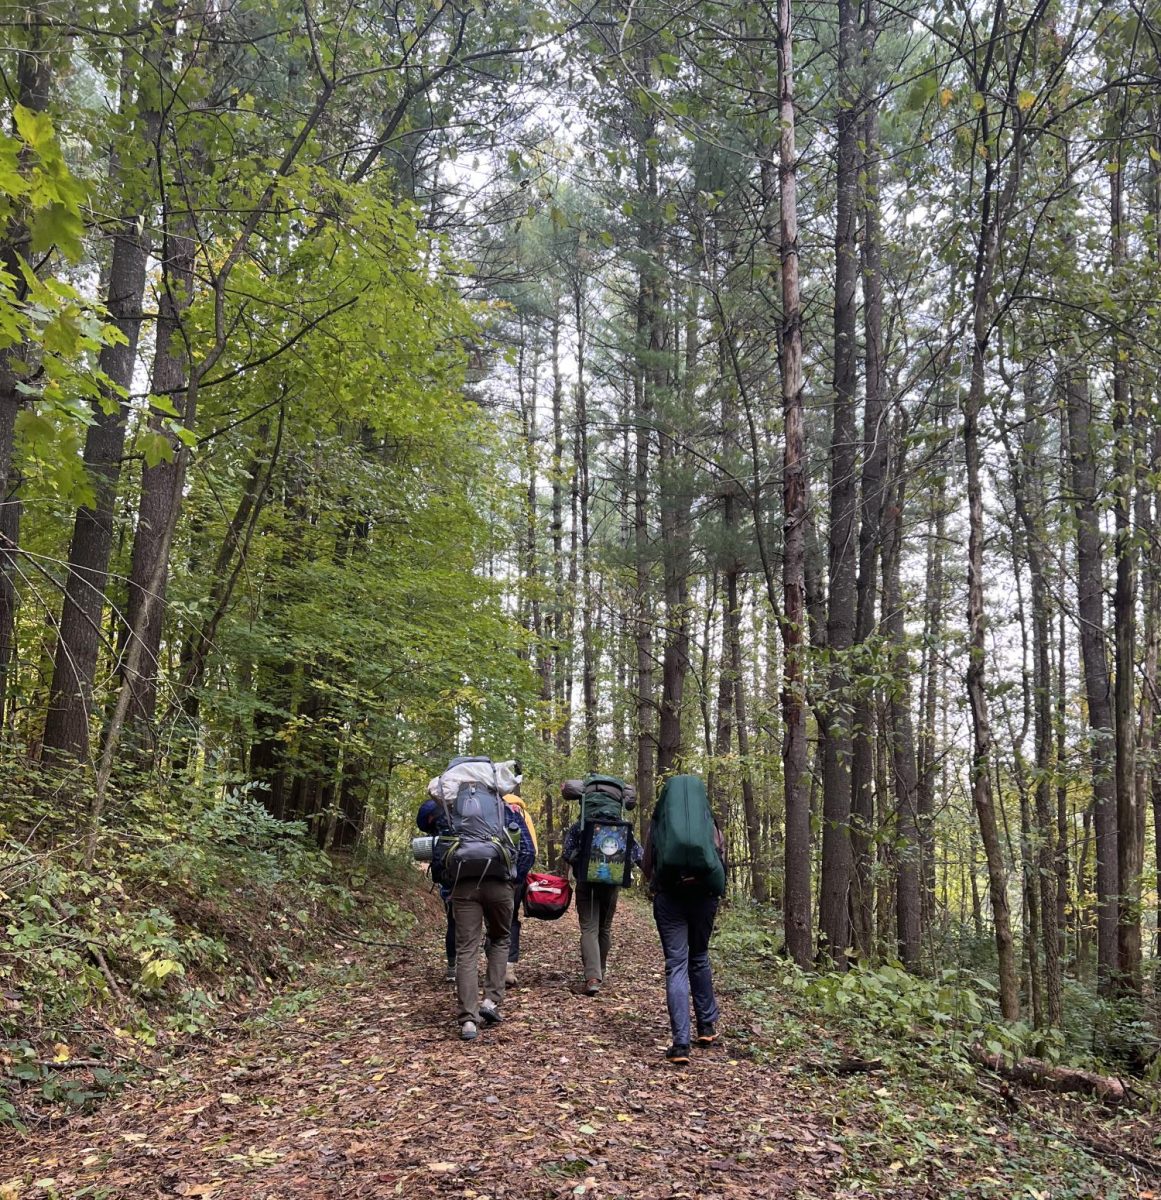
[368, 1092]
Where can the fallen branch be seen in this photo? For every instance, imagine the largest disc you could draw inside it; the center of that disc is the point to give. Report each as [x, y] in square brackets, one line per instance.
[857, 1066]
[1034, 1072]
[846, 1066]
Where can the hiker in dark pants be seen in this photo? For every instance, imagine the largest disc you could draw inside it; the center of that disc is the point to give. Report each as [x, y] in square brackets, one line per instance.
[429, 821]
[596, 905]
[684, 862]
[524, 865]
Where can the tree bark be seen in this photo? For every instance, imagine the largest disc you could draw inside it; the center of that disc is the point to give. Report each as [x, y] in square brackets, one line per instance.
[66, 732]
[33, 84]
[154, 513]
[908, 915]
[1098, 697]
[1130, 816]
[871, 502]
[835, 717]
[588, 647]
[1030, 503]
[796, 900]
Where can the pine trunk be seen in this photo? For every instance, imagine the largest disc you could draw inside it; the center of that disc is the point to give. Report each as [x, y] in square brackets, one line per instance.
[796, 900]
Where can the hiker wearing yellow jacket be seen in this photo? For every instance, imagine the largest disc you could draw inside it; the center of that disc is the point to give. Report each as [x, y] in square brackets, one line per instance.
[513, 801]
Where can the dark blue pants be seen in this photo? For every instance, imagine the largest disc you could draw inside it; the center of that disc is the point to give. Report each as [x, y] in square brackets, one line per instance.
[686, 924]
[449, 937]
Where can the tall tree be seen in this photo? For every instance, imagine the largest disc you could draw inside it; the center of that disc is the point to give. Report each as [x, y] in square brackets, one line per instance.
[796, 873]
[834, 899]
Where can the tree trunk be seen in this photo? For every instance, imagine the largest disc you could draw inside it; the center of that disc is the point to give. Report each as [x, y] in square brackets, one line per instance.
[994, 205]
[908, 873]
[643, 409]
[588, 647]
[796, 902]
[835, 718]
[871, 501]
[1130, 823]
[1090, 609]
[1030, 503]
[33, 82]
[155, 510]
[66, 732]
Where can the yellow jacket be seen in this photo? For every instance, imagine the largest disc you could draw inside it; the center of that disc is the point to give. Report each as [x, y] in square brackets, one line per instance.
[517, 803]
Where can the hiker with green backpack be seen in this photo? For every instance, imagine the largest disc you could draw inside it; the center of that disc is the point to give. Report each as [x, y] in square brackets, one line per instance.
[684, 862]
[600, 848]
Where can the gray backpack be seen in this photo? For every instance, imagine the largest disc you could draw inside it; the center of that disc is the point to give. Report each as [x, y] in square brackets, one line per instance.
[477, 844]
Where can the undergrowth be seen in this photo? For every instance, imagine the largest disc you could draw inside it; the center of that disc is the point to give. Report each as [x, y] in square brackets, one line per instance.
[915, 1112]
[200, 903]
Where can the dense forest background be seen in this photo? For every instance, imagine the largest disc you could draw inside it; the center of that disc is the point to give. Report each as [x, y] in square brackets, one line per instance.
[768, 392]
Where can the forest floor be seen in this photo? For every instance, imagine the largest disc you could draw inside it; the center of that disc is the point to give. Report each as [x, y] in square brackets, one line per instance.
[358, 1086]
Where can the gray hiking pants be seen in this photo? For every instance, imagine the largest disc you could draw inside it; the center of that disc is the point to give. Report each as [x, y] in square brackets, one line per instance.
[478, 904]
[595, 905]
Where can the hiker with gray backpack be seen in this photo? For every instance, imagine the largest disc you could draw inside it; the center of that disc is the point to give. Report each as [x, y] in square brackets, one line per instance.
[480, 857]
[600, 848]
[684, 862]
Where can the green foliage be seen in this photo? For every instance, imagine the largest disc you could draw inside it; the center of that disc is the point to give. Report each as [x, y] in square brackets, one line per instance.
[49, 333]
[204, 895]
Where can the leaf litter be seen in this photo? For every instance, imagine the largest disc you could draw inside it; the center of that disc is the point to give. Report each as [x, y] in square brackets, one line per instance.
[369, 1093]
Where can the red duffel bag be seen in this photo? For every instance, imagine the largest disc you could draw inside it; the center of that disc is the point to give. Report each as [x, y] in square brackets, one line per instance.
[547, 896]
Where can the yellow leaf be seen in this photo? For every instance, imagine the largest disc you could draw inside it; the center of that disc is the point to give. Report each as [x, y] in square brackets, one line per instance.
[977, 101]
[1025, 100]
[61, 1052]
[230, 1098]
[946, 95]
[623, 1117]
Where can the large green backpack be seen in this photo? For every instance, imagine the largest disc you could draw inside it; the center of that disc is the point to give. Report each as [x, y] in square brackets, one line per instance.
[685, 855]
[606, 852]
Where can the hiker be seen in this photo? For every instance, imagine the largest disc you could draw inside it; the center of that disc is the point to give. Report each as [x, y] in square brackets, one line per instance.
[684, 862]
[600, 849]
[430, 822]
[523, 866]
[487, 852]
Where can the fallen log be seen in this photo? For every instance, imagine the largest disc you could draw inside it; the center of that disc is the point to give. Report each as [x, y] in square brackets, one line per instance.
[1034, 1072]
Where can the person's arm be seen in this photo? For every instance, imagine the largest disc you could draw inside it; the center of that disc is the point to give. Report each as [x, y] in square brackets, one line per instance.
[719, 843]
[647, 854]
[569, 849]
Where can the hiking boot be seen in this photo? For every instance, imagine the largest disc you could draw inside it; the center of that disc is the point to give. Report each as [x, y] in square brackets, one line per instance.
[510, 975]
[449, 976]
[592, 986]
[707, 1035]
[468, 1032]
[490, 1014]
[677, 1055]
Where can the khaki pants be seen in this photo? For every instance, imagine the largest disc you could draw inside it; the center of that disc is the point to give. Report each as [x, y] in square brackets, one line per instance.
[595, 905]
[476, 904]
